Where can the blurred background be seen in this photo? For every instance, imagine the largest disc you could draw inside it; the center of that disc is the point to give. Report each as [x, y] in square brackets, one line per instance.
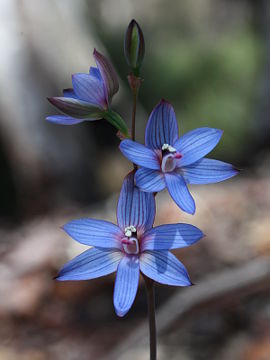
[211, 60]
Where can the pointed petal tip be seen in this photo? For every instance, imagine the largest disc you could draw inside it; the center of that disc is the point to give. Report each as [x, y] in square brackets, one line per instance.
[120, 313]
[191, 211]
[220, 132]
[164, 101]
[62, 227]
[96, 53]
[51, 99]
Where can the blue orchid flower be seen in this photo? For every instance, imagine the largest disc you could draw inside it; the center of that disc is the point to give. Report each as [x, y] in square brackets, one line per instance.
[91, 94]
[90, 98]
[129, 247]
[172, 162]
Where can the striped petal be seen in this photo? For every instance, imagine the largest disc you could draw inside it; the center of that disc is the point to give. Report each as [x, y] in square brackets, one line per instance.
[88, 88]
[206, 171]
[135, 207]
[161, 127]
[164, 267]
[196, 144]
[108, 74]
[171, 236]
[150, 180]
[64, 120]
[96, 73]
[92, 232]
[140, 154]
[91, 264]
[126, 284]
[76, 108]
[179, 192]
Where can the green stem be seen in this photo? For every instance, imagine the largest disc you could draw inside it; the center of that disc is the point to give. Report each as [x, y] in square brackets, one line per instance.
[116, 120]
[149, 284]
[135, 94]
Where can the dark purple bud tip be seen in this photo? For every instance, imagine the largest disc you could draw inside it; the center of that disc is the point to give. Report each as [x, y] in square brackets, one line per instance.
[134, 47]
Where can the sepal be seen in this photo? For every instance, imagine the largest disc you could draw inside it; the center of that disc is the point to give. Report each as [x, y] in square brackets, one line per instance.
[76, 108]
[108, 74]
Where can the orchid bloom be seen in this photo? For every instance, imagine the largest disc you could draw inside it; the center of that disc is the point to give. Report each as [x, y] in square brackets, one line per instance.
[91, 95]
[172, 162]
[129, 247]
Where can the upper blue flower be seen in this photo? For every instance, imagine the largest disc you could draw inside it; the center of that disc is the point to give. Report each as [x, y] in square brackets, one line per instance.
[130, 247]
[91, 94]
[172, 162]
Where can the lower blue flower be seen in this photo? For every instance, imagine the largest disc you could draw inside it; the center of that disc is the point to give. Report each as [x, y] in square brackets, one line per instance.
[131, 247]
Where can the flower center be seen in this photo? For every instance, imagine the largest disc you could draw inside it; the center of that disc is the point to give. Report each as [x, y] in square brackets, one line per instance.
[130, 242]
[169, 158]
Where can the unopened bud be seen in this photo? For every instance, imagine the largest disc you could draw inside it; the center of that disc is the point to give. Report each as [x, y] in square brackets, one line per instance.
[134, 46]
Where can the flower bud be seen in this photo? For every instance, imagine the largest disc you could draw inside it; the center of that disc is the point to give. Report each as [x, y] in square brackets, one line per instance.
[134, 46]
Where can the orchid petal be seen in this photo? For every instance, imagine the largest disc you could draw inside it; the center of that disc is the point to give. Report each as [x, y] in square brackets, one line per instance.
[179, 192]
[126, 284]
[164, 267]
[108, 74]
[140, 154]
[88, 88]
[69, 93]
[63, 120]
[96, 73]
[207, 171]
[161, 127]
[91, 264]
[171, 236]
[196, 144]
[135, 207]
[76, 108]
[92, 232]
[150, 180]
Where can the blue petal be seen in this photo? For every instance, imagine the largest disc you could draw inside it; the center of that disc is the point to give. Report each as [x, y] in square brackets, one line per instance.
[63, 120]
[91, 264]
[179, 192]
[76, 108]
[150, 180]
[206, 171]
[197, 143]
[126, 284]
[94, 232]
[95, 72]
[90, 89]
[135, 207]
[69, 93]
[161, 127]
[139, 154]
[172, 236]
[164, 267]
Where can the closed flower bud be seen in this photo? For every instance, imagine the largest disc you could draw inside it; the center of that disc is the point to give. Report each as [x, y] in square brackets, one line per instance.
[134, 46]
